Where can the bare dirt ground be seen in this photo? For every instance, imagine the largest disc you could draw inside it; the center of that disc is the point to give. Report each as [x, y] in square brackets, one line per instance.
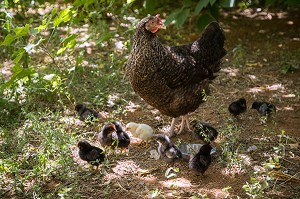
[256, 76]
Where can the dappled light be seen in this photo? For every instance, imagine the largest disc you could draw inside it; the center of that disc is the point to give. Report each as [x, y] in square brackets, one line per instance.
[177, 182]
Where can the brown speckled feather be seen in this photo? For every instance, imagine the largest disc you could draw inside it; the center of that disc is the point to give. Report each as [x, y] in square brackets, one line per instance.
[173, 79]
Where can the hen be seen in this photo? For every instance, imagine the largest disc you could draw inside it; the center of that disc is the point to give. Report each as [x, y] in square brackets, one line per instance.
[173, 79]
[91, 154]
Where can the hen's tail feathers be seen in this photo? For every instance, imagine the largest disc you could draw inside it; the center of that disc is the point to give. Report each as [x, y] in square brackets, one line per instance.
[210, 47]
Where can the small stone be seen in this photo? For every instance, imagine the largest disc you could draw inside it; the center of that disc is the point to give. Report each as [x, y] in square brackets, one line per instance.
[252, 148]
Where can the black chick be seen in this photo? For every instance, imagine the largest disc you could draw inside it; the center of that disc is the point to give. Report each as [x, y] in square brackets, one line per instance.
[86, 114]
[105, 136]
[264, 108]
[238, 107]
[123, 139]
[91, 154]
[167, 150]
[201, 161]
[204, 132]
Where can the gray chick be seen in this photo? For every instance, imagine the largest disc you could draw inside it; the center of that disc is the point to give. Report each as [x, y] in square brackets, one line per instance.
[167, 150]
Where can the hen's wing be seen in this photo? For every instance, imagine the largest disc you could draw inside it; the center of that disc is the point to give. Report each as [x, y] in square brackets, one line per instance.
[180, 69]
[194, 62]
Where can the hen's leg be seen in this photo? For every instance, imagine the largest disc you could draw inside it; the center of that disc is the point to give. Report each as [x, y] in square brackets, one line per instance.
[182, 125]
[171, 132]
[184, 121]
[187, 122]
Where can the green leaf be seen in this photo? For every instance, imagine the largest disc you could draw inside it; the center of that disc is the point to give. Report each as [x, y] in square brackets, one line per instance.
[78, 3]
[22, 31]
[204, 20]
[45, 24]
[69, 39]
[64, 16]
[61, 50]
[187, 3]
[201, 4]
[89, 2]
[19, 54]
[172, 17]
[212, 2]
[17, 76]
[105, 37]
[8, 39]
[17, 68]
[72, 44]
[57, 21]
[227, 3]
[130, 1]
[150, 6]
[182, 16]
[214, 11]
[54, 11]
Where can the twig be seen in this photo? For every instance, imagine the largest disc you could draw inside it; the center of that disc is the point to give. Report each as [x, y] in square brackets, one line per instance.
[121, 187]
[138, 155]
[289, 161]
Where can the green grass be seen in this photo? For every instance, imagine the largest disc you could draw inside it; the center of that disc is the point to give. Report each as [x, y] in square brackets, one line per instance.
[34, 153]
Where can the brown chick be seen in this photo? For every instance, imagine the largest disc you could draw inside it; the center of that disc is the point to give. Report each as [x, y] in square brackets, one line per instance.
[105, 136]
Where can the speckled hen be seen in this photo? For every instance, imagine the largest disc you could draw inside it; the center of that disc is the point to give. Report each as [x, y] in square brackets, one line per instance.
[173, 79]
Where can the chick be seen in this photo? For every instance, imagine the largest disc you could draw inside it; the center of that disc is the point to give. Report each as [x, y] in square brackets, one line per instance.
[264, 108]
[123, 139]
[167, 150]
[204, 132]
[142, 131]
[238, 107]
[91, 154]
[200, 162]
[105, 136]
[86, 114]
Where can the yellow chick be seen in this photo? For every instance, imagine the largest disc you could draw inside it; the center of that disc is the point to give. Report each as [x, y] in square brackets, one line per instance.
[142, 131]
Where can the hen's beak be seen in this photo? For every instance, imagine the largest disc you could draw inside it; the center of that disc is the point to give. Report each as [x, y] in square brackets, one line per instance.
[161, 26]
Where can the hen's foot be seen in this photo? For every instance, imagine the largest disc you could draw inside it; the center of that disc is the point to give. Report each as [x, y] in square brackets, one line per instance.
[184, 121]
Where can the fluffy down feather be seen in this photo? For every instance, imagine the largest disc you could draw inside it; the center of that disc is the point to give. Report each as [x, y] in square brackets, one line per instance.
[142, 131]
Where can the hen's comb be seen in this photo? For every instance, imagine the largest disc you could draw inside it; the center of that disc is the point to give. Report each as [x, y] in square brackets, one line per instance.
[158, 18]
